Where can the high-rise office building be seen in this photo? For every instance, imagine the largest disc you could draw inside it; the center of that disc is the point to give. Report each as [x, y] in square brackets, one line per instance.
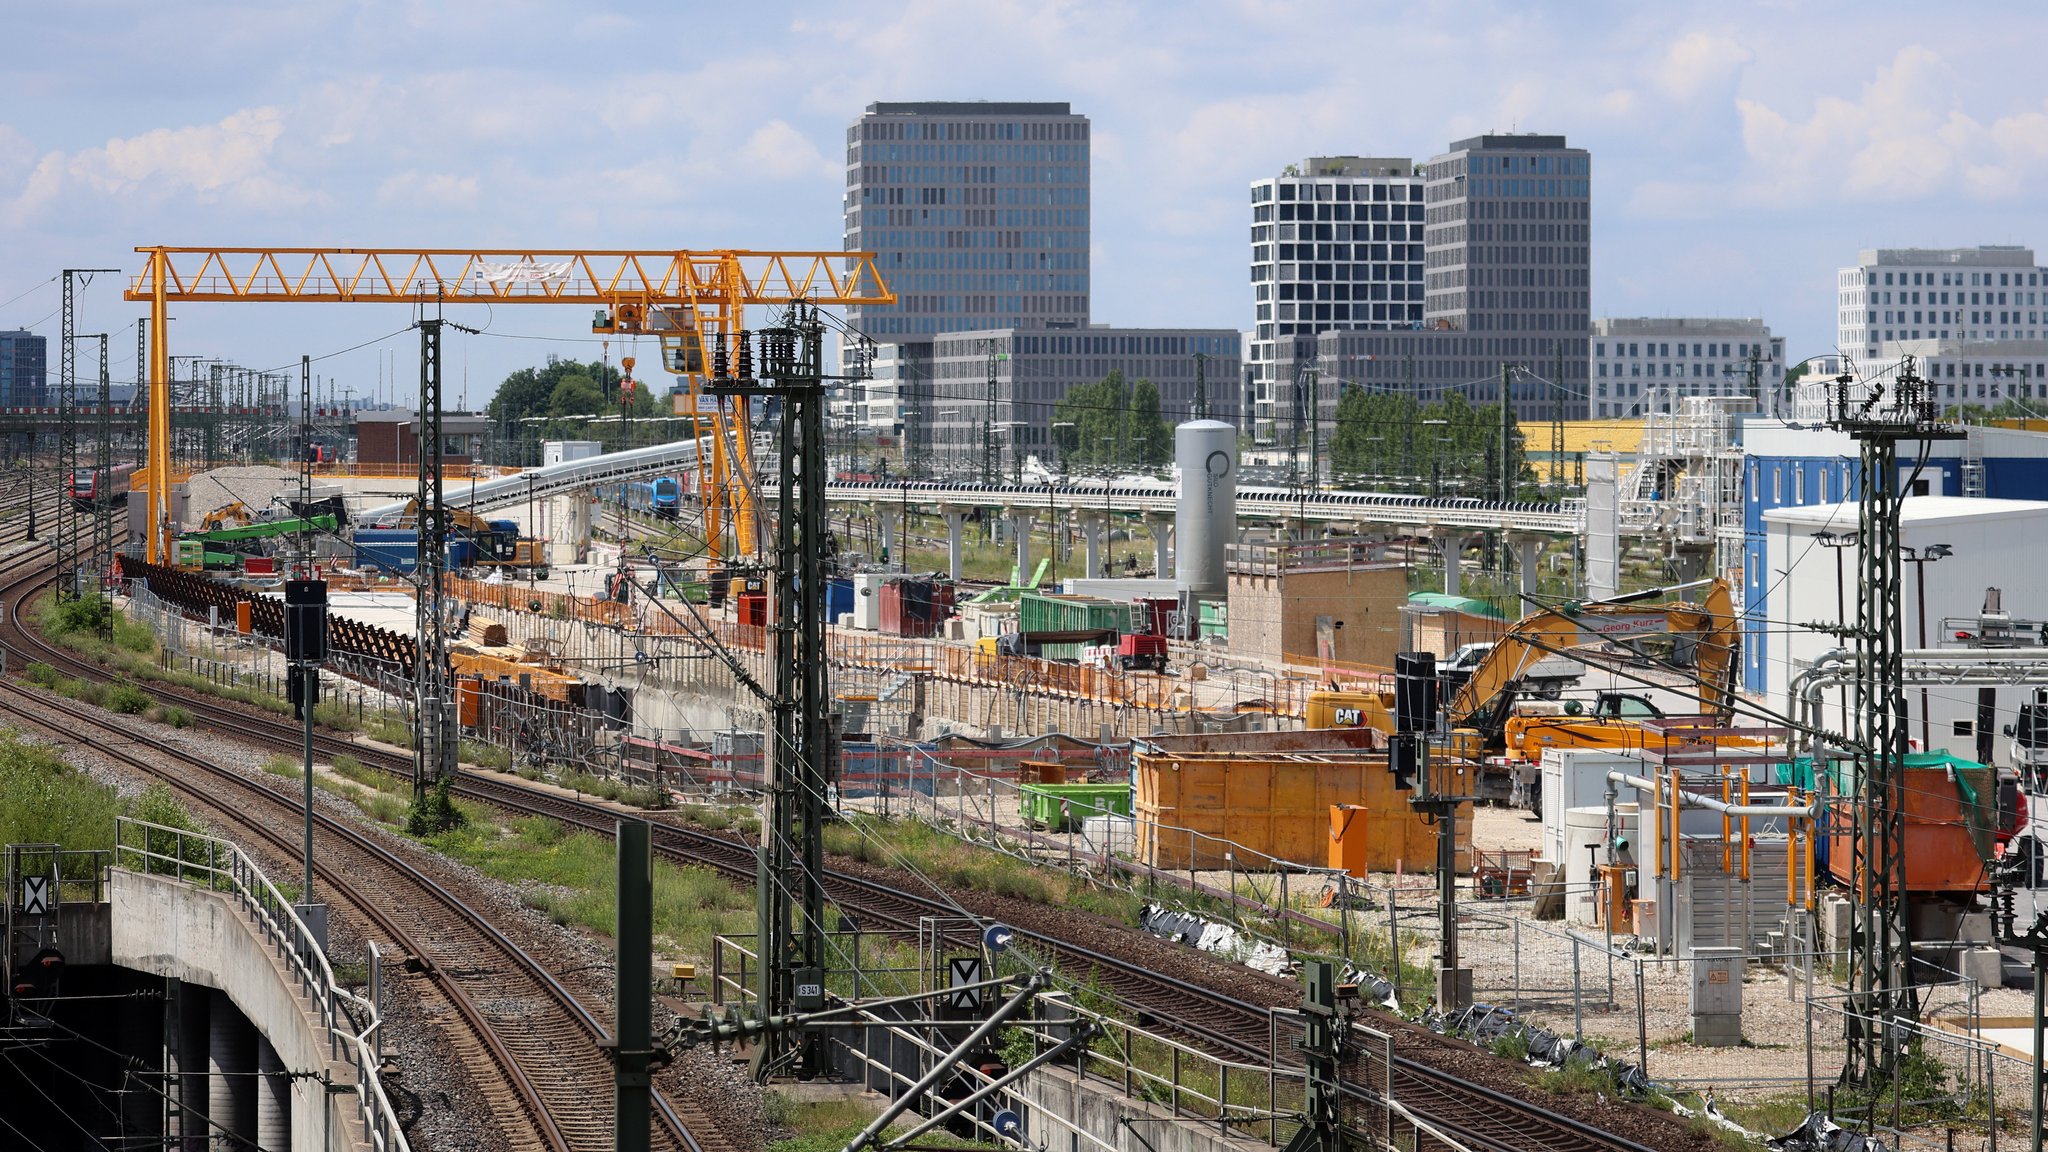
[978, 212]
[1336, 244]
[24, 370]
[1502, 276]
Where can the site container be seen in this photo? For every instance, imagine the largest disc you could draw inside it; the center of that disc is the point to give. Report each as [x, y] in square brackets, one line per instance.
[753, 609]
[397, 550]
[838, 599]
[1048, 612]
[1951, 812]
[469, 692]
[915, 608]
[1265, 795]
[1060, 806]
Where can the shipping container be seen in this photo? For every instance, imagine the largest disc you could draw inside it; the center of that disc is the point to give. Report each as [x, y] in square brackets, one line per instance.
[1951, 817]
[1262, 795]
[1062, 806]
[915, 608]
[1048, 612]
[397, 550]
[838, 599]
[753, 609]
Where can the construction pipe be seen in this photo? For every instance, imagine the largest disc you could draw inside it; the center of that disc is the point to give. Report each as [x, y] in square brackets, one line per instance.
[1989, 666]
[1687, 799]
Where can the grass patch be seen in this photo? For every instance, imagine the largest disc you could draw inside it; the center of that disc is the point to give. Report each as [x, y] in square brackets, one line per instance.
[957, 865]
[484, 755]
[1579, 1077]
[571, 876]
[816, 1125]
[172, 715]
[1772, 1114]
[608, 789]
[283, 766]
[391, 731]
[127, 699]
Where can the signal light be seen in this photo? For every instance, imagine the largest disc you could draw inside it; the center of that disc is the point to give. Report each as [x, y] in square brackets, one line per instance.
[1404, 759]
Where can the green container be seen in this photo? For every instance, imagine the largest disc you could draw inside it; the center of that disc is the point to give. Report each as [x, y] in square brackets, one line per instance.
[1039, 612]
[1053, 805]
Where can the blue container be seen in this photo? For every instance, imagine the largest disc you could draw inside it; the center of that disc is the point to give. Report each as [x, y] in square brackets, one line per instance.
[838, 600]
[397, 550]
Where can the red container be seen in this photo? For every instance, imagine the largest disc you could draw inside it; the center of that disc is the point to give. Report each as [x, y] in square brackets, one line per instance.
[1159, 611]
[753, 609]
[892, 608]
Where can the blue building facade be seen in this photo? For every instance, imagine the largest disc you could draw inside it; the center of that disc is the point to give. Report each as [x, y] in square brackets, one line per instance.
[1786, 467]
[24, 370]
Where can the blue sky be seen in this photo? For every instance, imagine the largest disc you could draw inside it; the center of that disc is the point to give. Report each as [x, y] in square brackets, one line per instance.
[1742, 151]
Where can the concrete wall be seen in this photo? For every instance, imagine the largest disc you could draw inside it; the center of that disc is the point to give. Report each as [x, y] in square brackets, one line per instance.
[167, 928]
[1100, 1110]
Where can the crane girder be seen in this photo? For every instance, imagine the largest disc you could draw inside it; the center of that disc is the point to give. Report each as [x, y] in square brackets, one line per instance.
[507, 276]
[639, 292]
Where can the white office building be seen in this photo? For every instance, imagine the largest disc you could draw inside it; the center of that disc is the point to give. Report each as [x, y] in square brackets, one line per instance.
[1336, 244]
[1648, 363]
[1992, 293]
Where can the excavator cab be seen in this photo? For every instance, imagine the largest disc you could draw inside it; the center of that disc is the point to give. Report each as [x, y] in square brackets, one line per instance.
[1624, 706]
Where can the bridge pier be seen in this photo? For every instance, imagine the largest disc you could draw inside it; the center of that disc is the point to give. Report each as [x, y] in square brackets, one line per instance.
[1528, 550]
[1453, 545]
[273, 1097]
[956, 536]
[230, 1052]
[1020, 523]
[1162, 554]
[1091, 544]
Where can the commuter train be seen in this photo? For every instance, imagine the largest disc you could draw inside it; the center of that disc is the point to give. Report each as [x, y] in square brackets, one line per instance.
[88, 488]
[662, 496]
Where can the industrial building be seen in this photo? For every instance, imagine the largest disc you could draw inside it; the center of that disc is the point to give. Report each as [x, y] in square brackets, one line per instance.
[1989, 293]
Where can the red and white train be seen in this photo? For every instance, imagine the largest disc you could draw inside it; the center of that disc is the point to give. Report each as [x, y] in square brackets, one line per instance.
[89, 488]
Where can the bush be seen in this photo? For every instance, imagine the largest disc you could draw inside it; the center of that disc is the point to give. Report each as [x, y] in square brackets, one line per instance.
[87, 615]
[42, 675]
[175, 716]
[127, 699]
[434, 812]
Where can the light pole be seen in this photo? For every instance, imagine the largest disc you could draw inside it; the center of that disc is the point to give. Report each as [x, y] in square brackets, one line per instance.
[1920, 558]
[1060, 453]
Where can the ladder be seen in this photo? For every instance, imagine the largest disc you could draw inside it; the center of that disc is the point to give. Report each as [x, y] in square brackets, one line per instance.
[1973, 464]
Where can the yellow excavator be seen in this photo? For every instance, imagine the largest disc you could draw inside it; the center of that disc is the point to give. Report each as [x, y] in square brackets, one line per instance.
[1493, 712]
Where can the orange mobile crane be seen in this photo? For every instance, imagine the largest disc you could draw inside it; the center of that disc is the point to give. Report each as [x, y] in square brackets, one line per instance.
[690, 301]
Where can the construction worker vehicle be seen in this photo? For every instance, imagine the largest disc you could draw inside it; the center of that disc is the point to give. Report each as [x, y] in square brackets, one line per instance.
[1506, 709]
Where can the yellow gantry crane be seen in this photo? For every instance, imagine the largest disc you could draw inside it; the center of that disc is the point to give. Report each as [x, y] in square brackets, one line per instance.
[690, 301]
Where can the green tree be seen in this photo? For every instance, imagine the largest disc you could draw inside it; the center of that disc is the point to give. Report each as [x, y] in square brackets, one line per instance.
[1449, 447]
[1112, 424]
[576, 396]
[531, 392]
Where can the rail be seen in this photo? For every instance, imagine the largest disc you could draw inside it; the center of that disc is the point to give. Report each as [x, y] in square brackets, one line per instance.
[218, 865]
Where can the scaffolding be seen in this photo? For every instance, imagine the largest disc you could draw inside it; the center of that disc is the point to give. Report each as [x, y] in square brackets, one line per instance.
[1685, 488]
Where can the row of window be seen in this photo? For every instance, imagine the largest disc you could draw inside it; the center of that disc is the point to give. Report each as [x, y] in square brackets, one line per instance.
[1700, 368]
[967, 130]
[2032, 279]
[1341, 253]
[1341, 192]
[1725, 386]
[1663, 348]
[1335, 272]
[990, 282]
[1339, 212]
[898, 241]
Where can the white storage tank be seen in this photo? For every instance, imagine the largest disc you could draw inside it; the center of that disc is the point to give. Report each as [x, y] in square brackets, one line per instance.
[1206, 519]
[1585, 844]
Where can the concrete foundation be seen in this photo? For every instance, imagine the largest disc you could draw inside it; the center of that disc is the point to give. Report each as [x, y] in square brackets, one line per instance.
[1123, 1123]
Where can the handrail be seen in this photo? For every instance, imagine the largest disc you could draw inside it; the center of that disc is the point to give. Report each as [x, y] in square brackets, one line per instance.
[217, 863]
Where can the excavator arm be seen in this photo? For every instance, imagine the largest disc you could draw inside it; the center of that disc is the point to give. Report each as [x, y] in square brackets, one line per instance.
[1703, 636]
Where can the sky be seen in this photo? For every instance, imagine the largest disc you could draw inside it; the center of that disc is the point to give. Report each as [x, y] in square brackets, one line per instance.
[1742, 152]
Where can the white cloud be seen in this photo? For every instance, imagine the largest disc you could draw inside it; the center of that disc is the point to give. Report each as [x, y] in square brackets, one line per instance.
[227, 161]
[777, 151]
[1697, 63]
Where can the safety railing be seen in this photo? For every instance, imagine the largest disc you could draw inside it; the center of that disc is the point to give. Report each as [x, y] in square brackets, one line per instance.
[221, 866]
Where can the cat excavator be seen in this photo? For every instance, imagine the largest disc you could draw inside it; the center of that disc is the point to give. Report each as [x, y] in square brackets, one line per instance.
[1506, 711]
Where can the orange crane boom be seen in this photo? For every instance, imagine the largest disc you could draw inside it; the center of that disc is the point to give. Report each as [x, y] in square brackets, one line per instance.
[637, 291]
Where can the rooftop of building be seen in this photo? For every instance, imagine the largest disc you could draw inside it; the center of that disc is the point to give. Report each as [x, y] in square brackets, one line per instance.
[971, 108]
[1506, 142]
[18, 333]
[1612, 325]
[1354, 167]
[1915, 511]
[1949, 349]
[1982, 256]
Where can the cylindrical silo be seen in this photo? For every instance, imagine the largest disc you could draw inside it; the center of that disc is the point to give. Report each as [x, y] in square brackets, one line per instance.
[1206, 451]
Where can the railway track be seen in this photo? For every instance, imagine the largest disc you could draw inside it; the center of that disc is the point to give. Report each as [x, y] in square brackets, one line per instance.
[529, 1043]
[1474, 1115]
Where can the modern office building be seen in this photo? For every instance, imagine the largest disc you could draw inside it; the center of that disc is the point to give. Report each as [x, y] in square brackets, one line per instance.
[1966, 295]
[1647, 364]
[946, 401]
[1505, 223]
[1336, 245]
[24, 370]
[978, 212]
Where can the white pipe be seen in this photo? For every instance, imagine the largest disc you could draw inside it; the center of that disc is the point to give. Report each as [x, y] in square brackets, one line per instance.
[1688, 799]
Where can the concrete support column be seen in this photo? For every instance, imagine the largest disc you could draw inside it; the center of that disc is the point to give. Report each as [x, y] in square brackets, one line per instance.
[1020, 522]
[1527, 552]
[956, 537]
[1162, 554]
[1452, 544]
[230, 1060]
[273, 1099]
[194, 1003]
[885, 521]
[1091, 544]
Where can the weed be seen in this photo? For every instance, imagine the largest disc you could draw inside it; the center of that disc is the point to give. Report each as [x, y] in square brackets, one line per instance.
[283, 766]
[1578, 1077]
[435, 811]
[42, 675]
[1512, 1045]
[127, 699]
[174, 716]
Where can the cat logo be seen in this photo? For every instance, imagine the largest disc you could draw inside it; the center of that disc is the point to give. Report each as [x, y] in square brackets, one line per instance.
[1350, 717]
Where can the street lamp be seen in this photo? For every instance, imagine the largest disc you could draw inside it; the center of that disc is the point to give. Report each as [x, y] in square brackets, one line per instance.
[1920, 558]
[1059, 453]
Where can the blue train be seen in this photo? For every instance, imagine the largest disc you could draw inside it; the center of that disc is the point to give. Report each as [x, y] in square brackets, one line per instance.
[663, 496]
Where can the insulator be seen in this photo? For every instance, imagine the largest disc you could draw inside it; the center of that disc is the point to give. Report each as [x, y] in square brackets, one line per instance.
[746, 355]
[720, 363]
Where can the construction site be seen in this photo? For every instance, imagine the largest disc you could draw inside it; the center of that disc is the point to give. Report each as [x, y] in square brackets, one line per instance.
[1648, 847]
